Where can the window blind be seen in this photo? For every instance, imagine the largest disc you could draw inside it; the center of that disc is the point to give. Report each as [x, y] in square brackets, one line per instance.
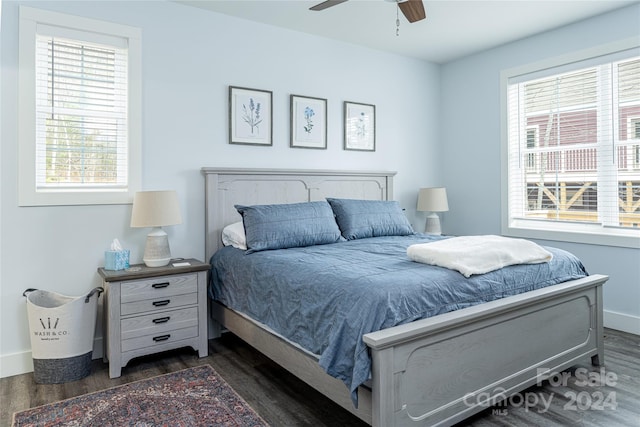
[574, 145]
[81, 115]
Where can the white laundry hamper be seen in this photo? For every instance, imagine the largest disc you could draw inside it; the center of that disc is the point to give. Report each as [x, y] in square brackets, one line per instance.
[61, 329]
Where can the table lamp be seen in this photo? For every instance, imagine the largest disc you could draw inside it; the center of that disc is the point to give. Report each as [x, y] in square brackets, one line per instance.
[156, 209]
[433, 200]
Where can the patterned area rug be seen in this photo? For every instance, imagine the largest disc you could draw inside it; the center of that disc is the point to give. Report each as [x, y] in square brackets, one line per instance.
[191, 397]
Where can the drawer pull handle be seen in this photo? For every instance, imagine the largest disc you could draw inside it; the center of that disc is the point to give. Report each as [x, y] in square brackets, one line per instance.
[162, 338]
[161, 320]
[160, 285]
[161, 303]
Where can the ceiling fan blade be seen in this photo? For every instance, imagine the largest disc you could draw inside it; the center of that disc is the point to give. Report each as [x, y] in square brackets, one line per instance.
[326, 4]
[413, 10]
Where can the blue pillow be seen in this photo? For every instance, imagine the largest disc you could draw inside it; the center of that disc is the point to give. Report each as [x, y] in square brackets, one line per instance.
[288, 225]
[360, 219]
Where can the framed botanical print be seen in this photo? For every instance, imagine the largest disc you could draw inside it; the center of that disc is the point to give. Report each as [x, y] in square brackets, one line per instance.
[250, 117]
[308, 122]
[359, 126]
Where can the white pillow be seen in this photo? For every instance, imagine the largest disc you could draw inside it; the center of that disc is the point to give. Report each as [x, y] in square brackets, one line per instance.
[233, 235]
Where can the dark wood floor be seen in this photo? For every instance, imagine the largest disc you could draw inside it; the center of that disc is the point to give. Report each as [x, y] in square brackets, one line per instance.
[282, 400]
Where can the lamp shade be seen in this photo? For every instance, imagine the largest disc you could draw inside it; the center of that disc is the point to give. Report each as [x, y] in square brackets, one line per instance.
[433, 200]
[155, 209]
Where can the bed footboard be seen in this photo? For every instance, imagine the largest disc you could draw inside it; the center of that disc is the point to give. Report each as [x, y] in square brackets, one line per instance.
[442, 370]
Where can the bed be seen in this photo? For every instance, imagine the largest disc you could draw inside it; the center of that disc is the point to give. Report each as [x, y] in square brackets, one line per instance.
[433, 371]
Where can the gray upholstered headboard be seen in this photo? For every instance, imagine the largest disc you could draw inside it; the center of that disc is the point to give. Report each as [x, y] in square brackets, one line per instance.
[226, 187]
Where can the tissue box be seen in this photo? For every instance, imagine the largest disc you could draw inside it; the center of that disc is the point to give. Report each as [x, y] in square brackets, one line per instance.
[116, 260]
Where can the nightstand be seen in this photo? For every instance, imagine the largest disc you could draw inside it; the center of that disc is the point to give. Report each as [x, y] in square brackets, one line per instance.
[152, 309]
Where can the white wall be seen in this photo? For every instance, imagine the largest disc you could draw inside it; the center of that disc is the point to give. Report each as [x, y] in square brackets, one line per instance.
[436, 126]
[190, 56]
[471, 154]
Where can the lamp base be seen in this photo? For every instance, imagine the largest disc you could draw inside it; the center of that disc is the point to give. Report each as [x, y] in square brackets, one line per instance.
[157, 252]
[433, 224]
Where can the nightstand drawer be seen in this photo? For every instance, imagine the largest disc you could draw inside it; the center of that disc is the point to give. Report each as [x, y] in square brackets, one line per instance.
[159, 303]
[148, 341]
[158, 323]
[158, 287]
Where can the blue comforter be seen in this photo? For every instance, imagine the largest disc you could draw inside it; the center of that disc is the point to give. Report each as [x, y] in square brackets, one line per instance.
[325, 298]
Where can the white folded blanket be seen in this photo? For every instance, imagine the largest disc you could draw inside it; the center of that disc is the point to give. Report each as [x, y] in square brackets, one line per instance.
[478, 254]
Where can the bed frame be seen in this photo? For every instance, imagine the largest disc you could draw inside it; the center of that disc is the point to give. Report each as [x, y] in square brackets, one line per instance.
[436, 371]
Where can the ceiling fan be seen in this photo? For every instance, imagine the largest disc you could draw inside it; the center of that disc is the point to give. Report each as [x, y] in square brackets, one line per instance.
[413, 10]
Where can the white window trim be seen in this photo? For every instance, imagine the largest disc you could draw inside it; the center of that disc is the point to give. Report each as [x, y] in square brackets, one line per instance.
[27, 194]
[546, 230]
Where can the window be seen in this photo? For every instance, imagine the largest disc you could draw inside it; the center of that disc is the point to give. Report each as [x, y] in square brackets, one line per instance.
[572, 145]
[79, 113]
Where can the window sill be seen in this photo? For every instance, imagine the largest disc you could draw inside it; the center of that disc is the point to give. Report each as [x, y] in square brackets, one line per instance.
[577, 233]
[71, 198]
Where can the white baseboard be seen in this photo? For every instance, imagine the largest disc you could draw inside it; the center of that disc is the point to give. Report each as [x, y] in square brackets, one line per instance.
[22, 362]
[622, 322]
[15, 364]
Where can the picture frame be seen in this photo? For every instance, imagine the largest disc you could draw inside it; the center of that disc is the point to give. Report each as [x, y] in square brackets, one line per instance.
[250, 116]
[359, 126]
[308, 122]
